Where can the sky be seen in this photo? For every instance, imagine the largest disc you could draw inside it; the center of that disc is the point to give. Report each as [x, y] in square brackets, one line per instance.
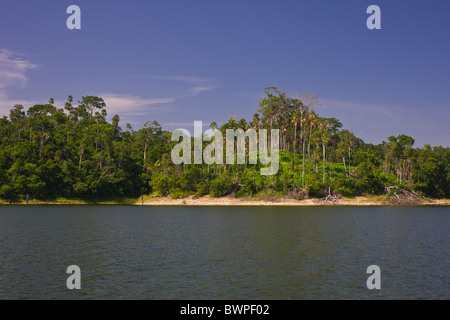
[177, 62]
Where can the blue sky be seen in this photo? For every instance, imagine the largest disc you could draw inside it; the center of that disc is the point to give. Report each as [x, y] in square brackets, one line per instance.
[180, 61]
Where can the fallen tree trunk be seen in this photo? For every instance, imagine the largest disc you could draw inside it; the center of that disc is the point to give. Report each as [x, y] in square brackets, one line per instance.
[400, 196]
[330, 199]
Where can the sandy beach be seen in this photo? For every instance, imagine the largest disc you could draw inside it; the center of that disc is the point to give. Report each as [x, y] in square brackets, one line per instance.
[231, 201]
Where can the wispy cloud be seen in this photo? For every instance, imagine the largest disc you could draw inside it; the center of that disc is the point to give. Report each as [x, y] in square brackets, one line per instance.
[197, 85]
[13, 74]
[186, 79]
[175, 124]
[13, 69]
[197, 90]
[376, 122]
[6, 103]
[186, 127]
[129, 105]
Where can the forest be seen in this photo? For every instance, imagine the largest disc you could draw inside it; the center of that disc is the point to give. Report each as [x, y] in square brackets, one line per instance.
[73, 152]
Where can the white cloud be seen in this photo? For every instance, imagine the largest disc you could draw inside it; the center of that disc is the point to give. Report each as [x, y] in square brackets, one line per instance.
[186, 79]
[197, 90]
[199, 84]
[13, 69]
[6, 103]
[376, 122]
[175, 124]
[186, 127]
[129, 105]
[13, 73]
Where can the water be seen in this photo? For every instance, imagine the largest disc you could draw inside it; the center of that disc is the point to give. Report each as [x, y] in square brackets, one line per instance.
[134, 252]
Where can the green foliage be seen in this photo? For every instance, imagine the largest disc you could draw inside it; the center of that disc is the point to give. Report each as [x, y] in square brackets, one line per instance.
[269, 195]
[202, 189]
[8, 193]
[178, 193]
[346, 187]
[316, 189]
[431, 173]
[370, 180]
[73, 152]
[220, 187]
[162, 184]
[190, 178]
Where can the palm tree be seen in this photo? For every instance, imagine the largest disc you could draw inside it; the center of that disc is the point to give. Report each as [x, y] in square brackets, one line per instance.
[295, 120]
[311, 118]
[324, 126]
[213, 125]
[150, 128]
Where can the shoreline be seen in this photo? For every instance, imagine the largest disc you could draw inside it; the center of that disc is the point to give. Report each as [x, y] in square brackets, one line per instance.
[232, 201]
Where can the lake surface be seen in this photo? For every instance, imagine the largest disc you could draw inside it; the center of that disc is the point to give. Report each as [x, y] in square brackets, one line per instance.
[144, 252]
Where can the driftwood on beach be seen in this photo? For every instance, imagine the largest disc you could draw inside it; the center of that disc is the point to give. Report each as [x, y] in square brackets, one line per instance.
[400, 196]
[331, 199]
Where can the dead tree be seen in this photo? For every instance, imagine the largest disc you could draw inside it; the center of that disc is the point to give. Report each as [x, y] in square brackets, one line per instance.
[330, 198]
[400, 196]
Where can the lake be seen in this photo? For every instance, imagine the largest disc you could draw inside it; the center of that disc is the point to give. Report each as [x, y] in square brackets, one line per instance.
[146, 252]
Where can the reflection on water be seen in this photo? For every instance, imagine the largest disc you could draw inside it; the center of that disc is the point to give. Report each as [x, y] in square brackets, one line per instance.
[133, 252]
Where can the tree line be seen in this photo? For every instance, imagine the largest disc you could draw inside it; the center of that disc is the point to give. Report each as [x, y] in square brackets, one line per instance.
[73, 152]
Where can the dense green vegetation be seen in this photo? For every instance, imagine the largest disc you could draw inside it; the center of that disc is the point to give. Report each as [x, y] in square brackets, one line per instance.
[75, 153]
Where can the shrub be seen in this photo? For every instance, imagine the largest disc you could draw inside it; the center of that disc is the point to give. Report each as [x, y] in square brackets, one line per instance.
[220, 187]
[202, 189]
[269, 195]
[8, 193]
[162, 184]
[346, 187]
[178, 194]
[315, 189]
